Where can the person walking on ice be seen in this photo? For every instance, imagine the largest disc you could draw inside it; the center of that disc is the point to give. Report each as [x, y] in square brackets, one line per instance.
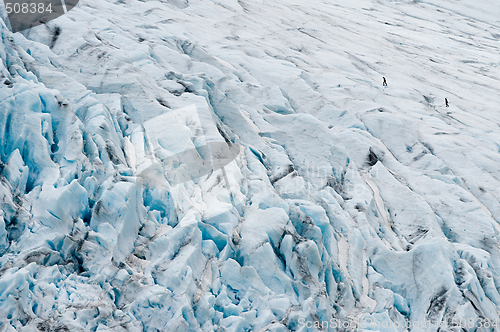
[384, 83]
[446, 102]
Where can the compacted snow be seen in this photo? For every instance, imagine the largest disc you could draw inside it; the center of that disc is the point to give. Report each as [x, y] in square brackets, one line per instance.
[237, 165]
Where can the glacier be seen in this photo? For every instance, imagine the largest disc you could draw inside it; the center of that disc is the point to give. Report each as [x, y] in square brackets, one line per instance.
[229, 165]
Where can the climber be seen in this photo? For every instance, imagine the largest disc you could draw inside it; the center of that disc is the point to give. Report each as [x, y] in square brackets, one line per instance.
[384, 83]
[446, 102]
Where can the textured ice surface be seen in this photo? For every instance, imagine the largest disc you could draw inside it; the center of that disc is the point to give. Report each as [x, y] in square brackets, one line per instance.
[346, 201]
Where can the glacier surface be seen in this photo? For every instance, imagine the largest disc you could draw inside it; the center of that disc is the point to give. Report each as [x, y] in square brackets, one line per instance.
[237, 165]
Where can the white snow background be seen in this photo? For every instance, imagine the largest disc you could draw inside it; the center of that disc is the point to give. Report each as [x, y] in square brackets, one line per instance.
[357, 202]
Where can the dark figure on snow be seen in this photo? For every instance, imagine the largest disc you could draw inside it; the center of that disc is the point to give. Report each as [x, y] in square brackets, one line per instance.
[384, 83]
[372, 157]
[446, 102]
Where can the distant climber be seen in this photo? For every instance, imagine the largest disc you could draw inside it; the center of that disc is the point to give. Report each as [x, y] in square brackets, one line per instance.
[384, 83]
[446, 102]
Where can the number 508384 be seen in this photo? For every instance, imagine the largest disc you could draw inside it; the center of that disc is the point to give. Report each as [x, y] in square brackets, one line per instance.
[28, 8]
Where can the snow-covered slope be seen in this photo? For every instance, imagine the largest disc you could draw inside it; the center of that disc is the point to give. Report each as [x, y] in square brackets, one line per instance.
[347, 202]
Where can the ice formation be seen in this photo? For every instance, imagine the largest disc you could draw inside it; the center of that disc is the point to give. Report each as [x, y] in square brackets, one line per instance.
[238, 166]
